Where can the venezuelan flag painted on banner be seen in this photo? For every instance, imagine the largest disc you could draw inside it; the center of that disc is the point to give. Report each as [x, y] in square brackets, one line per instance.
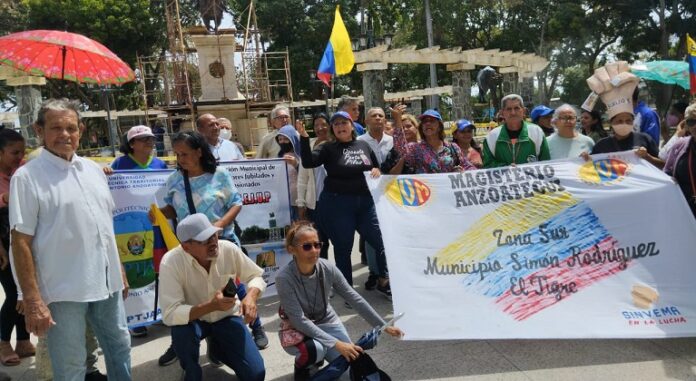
[164, 238]
[338, 57]
[555, 212]
[691, 57]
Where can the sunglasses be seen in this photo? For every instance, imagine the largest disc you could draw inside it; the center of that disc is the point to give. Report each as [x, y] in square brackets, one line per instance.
[690, 122]
[309, 245]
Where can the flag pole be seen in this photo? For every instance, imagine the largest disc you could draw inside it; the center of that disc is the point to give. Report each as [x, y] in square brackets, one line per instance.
[332, 94]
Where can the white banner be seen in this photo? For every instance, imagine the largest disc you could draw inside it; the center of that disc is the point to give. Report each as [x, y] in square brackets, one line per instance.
[559, 249]
[133, 192]
[263, 221]
[265, 215]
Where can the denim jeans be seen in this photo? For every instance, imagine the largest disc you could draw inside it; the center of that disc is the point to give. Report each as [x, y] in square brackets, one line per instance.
[42, 361]
[313, 215]
[340, 215]
[66, 339]
[311, 351]
[232, 344]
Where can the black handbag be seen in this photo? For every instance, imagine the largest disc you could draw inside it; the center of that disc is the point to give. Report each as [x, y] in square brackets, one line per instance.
[364, 369]
[5, 227]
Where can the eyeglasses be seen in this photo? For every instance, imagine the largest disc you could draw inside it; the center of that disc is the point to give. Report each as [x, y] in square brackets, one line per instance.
[309, 245]
[282, 117]
[690, 122]
[213, 238]
[568, 119]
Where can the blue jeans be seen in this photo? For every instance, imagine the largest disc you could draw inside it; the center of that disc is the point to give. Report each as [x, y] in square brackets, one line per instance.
[66, 339]
[232, 345]
[311, 351]
[340, 215]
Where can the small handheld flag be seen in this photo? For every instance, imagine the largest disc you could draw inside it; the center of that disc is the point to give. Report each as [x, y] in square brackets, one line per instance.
[165, 239]
[338, 57]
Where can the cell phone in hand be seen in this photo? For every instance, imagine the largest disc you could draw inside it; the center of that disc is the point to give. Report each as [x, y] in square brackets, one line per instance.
[230, 290]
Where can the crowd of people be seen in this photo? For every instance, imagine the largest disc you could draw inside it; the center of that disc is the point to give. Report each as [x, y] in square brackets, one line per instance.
[64, 281]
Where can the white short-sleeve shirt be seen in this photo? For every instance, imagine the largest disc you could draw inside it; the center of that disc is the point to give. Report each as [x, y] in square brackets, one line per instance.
[381, 148]
[67, 207]
[225, 150]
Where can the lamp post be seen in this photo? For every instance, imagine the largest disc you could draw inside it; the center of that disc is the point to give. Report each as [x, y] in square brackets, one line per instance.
[325, 89]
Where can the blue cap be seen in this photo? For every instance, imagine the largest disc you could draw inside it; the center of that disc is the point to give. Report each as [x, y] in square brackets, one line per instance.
[539, 111]
[340, 114]
[464, 123]
[431, 113]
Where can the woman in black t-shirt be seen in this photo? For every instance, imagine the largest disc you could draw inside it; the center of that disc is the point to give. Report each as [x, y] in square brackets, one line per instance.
[345, 205]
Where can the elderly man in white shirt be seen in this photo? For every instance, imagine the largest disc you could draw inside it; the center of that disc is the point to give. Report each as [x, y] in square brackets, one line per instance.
[222, 149]
[269, 148]
[192, 278]
[64, 249]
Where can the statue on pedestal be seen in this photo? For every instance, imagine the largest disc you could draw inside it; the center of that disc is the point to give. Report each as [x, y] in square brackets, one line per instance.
[211, 10]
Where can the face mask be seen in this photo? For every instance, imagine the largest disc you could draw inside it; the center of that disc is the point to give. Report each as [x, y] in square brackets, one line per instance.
[225, 134]
[285, 147]
[672, 120]
[622, 129]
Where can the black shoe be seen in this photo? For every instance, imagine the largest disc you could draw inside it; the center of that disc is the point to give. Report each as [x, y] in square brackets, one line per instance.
[371, 282]
[301, 374]
[168, 357]
[95, 376]
[138, 332]
[260, 337]
[385, 290]
[214, 361]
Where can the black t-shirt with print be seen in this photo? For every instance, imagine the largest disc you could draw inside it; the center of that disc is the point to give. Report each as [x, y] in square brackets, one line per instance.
[636, 139]
[344, 164]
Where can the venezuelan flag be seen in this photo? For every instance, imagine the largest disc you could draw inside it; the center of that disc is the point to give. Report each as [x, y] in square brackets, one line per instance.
[691, 57]
[338, 57]
[164, 237]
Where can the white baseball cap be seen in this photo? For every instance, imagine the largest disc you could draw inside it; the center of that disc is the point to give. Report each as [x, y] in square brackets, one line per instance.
[139, 132]
[195, 227]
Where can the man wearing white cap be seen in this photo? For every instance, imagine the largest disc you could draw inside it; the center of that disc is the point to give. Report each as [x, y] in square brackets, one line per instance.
[192, 278]
[615, 85]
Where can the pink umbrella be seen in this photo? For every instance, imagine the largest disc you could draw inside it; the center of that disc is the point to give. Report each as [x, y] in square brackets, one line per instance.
[63, 55]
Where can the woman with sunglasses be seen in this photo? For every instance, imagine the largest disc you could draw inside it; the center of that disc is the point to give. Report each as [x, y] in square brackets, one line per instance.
[463, 136]
[200, 186]
[303, 287]
[345, 204]
[433, 154]
[681, 159]
[137, 151]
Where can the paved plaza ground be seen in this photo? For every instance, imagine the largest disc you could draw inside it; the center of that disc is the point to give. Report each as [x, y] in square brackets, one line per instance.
[635, 360]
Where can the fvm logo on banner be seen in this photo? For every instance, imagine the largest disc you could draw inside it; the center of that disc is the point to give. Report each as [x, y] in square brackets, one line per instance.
[408, 192]
[604, 171]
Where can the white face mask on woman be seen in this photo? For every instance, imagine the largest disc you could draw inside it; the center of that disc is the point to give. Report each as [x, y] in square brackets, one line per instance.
[622, 129]
[225, 134]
